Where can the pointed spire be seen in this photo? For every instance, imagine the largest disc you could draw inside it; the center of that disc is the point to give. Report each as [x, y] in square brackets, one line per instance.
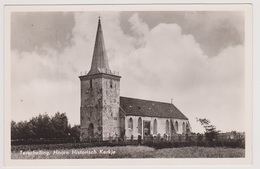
[99, 60]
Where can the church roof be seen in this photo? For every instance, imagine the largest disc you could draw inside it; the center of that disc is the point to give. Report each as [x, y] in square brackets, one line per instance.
[138, 107]
[99, 61]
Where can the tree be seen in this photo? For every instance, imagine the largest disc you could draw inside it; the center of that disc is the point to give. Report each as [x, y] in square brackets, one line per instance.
[60, 124]
[44, 126]
[210, 130]
[14, 130]
[41, 126]
[74, 132]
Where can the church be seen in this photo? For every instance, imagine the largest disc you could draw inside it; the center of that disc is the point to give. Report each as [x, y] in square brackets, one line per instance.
[104, 114]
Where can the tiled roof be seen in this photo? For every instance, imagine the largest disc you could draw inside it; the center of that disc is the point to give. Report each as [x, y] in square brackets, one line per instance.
[138, 107]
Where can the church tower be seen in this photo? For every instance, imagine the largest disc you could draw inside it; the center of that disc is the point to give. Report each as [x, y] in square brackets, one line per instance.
[100, 93]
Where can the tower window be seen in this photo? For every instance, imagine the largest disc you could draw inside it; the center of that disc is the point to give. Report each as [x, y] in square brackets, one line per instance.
[111, 84]
[90, 83]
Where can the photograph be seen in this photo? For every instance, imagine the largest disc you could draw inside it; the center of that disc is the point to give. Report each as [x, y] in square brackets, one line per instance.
[128, 82]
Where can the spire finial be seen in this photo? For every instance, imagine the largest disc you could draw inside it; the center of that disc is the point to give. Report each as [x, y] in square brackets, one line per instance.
[99, 19]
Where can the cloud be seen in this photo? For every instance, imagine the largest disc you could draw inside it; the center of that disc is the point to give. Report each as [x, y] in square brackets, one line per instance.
[168, 57]
[219, 95]
[42, 83]
[216, 30]
[213, 30]
[33, 30]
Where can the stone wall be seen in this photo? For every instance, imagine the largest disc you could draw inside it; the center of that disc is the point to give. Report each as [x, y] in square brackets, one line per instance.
[91, 107]
[111, 119]
[100, 106]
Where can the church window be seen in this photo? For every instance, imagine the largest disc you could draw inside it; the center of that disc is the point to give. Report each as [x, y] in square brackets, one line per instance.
[155, 126]
[176, 126]
[130, 124]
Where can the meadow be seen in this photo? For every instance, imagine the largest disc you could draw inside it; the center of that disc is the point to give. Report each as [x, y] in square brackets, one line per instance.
[130, 152]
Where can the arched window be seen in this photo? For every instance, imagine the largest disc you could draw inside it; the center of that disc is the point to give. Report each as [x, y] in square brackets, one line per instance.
[122, 126]
[183, 128]
[167, 127]
[130, 124]
[155, 126]
[91, 130]
[176, 126]
[140, 125]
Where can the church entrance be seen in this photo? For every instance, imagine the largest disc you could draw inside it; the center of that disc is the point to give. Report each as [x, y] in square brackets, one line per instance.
[91, 130]
[147, 127]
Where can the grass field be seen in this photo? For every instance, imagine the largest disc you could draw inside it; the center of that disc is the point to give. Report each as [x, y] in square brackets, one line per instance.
[131, 152]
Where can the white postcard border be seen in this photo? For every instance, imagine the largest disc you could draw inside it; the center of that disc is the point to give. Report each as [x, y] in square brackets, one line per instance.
[247, 8]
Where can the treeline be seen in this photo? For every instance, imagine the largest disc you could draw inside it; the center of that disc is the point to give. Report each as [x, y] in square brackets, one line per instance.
[44, 127]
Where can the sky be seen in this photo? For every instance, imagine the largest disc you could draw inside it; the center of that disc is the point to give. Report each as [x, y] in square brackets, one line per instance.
[194, 58]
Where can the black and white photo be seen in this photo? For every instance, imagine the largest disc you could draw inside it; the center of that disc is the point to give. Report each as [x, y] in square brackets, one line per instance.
[129, 82]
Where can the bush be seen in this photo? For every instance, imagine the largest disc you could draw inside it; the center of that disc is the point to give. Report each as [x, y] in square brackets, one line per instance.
[174, 144]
